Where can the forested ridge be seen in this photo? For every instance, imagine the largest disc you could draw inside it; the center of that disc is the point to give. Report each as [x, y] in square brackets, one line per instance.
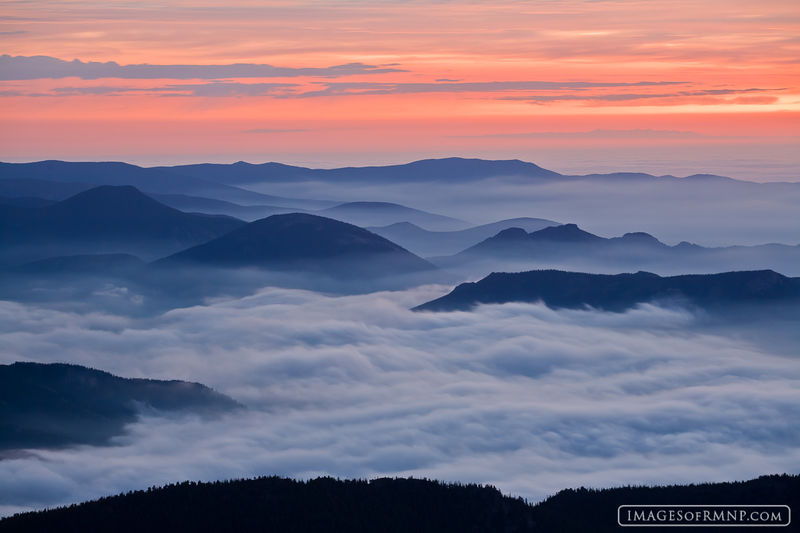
[387, 505]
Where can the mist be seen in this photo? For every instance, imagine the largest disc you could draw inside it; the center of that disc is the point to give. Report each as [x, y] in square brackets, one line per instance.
[714, 213]
[529, 399]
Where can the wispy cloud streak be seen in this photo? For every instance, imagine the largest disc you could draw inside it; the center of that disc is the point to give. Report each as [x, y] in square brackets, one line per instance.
[46, 67]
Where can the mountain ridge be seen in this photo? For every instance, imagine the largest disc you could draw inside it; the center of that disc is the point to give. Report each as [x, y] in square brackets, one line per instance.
[304, 241]
[106, 219]
[57, 404]
[393, 505]
[618, 292]
[436, 169]
[429, 243]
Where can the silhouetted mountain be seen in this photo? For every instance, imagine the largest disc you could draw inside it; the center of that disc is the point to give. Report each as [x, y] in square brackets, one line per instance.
[621, 291]
[383, 213]
[387, 505]
[105, 219]
[563, 233]
[196, 204]
[53, 405]
[517, 241]
[303, 242]
[424, 242]
[201, 179]
[150, 180]
[639, 238]
[571, 248]
[241, 172]
[452, 169]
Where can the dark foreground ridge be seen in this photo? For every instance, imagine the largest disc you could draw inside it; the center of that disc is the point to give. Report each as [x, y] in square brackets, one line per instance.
[385, 505]
[53, 405]
[618, 292]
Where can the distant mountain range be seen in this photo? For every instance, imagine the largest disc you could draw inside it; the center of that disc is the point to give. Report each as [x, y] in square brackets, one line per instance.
[388, 505]
[73, 247]
[54, 405]
[621, 291]
[106, 219]
[197, 204]
[304, 242]
[428, 243]
[568, 246]
[452, 169]
[382, 213]
[151, 180]
[37, 224]
[479, 185]
[231, 177]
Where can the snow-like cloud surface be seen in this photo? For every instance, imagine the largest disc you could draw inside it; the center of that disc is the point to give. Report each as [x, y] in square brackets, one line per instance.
[520, 396]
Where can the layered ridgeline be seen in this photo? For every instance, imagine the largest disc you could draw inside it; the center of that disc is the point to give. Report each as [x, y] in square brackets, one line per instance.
[55, 405]
[436, 243]
[570, 247]
[383, 213]
[618, 292]
[105, 219]
[302, 242]
[386, 505]
[448, 170]
[52, 178]
[480, 188]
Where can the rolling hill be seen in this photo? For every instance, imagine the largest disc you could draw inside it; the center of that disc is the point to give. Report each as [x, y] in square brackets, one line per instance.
[304, 242]
[105, 219]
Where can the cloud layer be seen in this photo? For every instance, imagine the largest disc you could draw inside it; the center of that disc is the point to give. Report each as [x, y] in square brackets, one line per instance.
[46, 67]
[520, 396]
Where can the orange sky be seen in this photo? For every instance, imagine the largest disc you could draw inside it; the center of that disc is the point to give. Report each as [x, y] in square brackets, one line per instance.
[550, 81]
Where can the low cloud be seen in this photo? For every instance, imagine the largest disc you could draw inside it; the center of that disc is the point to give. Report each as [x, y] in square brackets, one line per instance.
[710, 96]
[211, 89]
[518, 395]
[46, 67]
[372, 88]
[535, 92]
[323, 89]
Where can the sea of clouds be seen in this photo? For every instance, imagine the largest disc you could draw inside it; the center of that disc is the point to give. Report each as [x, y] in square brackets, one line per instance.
[529, 399]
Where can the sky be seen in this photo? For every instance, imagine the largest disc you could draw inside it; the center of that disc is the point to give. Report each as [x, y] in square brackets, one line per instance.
[576, 86]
